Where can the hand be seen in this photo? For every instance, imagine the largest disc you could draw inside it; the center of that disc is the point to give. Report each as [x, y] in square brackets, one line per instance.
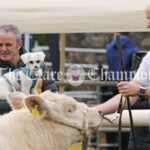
[128, 88]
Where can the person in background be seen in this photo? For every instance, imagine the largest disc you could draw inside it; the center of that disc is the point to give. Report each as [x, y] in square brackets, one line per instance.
[138, 91]
[54, 51]
[129, 48]
[10, 51]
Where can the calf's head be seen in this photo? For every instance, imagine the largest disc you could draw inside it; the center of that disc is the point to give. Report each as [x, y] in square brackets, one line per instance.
[61, 109]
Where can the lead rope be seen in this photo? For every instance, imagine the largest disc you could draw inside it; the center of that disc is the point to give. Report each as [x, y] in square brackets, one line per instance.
[85, 142]
[120, 109]
[127, 98]
[85, 127]
[120, 122]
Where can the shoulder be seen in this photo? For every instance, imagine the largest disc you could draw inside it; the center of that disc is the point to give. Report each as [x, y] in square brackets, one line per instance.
[147, 56]
[148, 53]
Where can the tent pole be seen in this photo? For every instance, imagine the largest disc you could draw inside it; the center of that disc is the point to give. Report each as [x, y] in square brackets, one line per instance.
[27, 42]
[62, 60]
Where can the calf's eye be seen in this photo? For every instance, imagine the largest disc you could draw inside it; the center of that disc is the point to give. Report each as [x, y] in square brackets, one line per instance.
[72, 108]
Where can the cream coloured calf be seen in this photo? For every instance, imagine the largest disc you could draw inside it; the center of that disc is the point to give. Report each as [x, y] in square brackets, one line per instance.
[61, 123]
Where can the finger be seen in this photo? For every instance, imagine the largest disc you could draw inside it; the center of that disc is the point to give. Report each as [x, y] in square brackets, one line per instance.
[124, 92]
[122, 88]
[121, 84]
[121, 92]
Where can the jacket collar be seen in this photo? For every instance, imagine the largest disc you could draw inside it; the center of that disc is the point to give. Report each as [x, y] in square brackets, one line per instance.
[8, 64]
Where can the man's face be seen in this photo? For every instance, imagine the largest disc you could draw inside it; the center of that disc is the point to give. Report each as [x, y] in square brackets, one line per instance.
[9, 48]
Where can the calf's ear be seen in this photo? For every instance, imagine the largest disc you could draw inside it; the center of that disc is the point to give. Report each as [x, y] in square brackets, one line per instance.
[37, 102]
[15, 99]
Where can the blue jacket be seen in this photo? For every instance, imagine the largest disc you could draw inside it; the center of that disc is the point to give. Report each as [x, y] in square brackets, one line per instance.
[129, 48]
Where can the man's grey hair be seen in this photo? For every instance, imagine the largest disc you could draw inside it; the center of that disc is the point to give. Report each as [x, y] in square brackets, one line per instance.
[11, 28]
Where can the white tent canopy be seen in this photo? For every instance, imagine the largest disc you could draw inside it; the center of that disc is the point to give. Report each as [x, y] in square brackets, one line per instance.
[74, 16]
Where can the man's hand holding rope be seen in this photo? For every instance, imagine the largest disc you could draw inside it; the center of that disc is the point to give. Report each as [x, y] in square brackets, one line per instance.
[129, 88]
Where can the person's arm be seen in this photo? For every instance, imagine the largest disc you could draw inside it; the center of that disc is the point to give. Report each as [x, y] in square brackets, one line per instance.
[141, 79]
[132, 89]
[111, 106]
[126, 89]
